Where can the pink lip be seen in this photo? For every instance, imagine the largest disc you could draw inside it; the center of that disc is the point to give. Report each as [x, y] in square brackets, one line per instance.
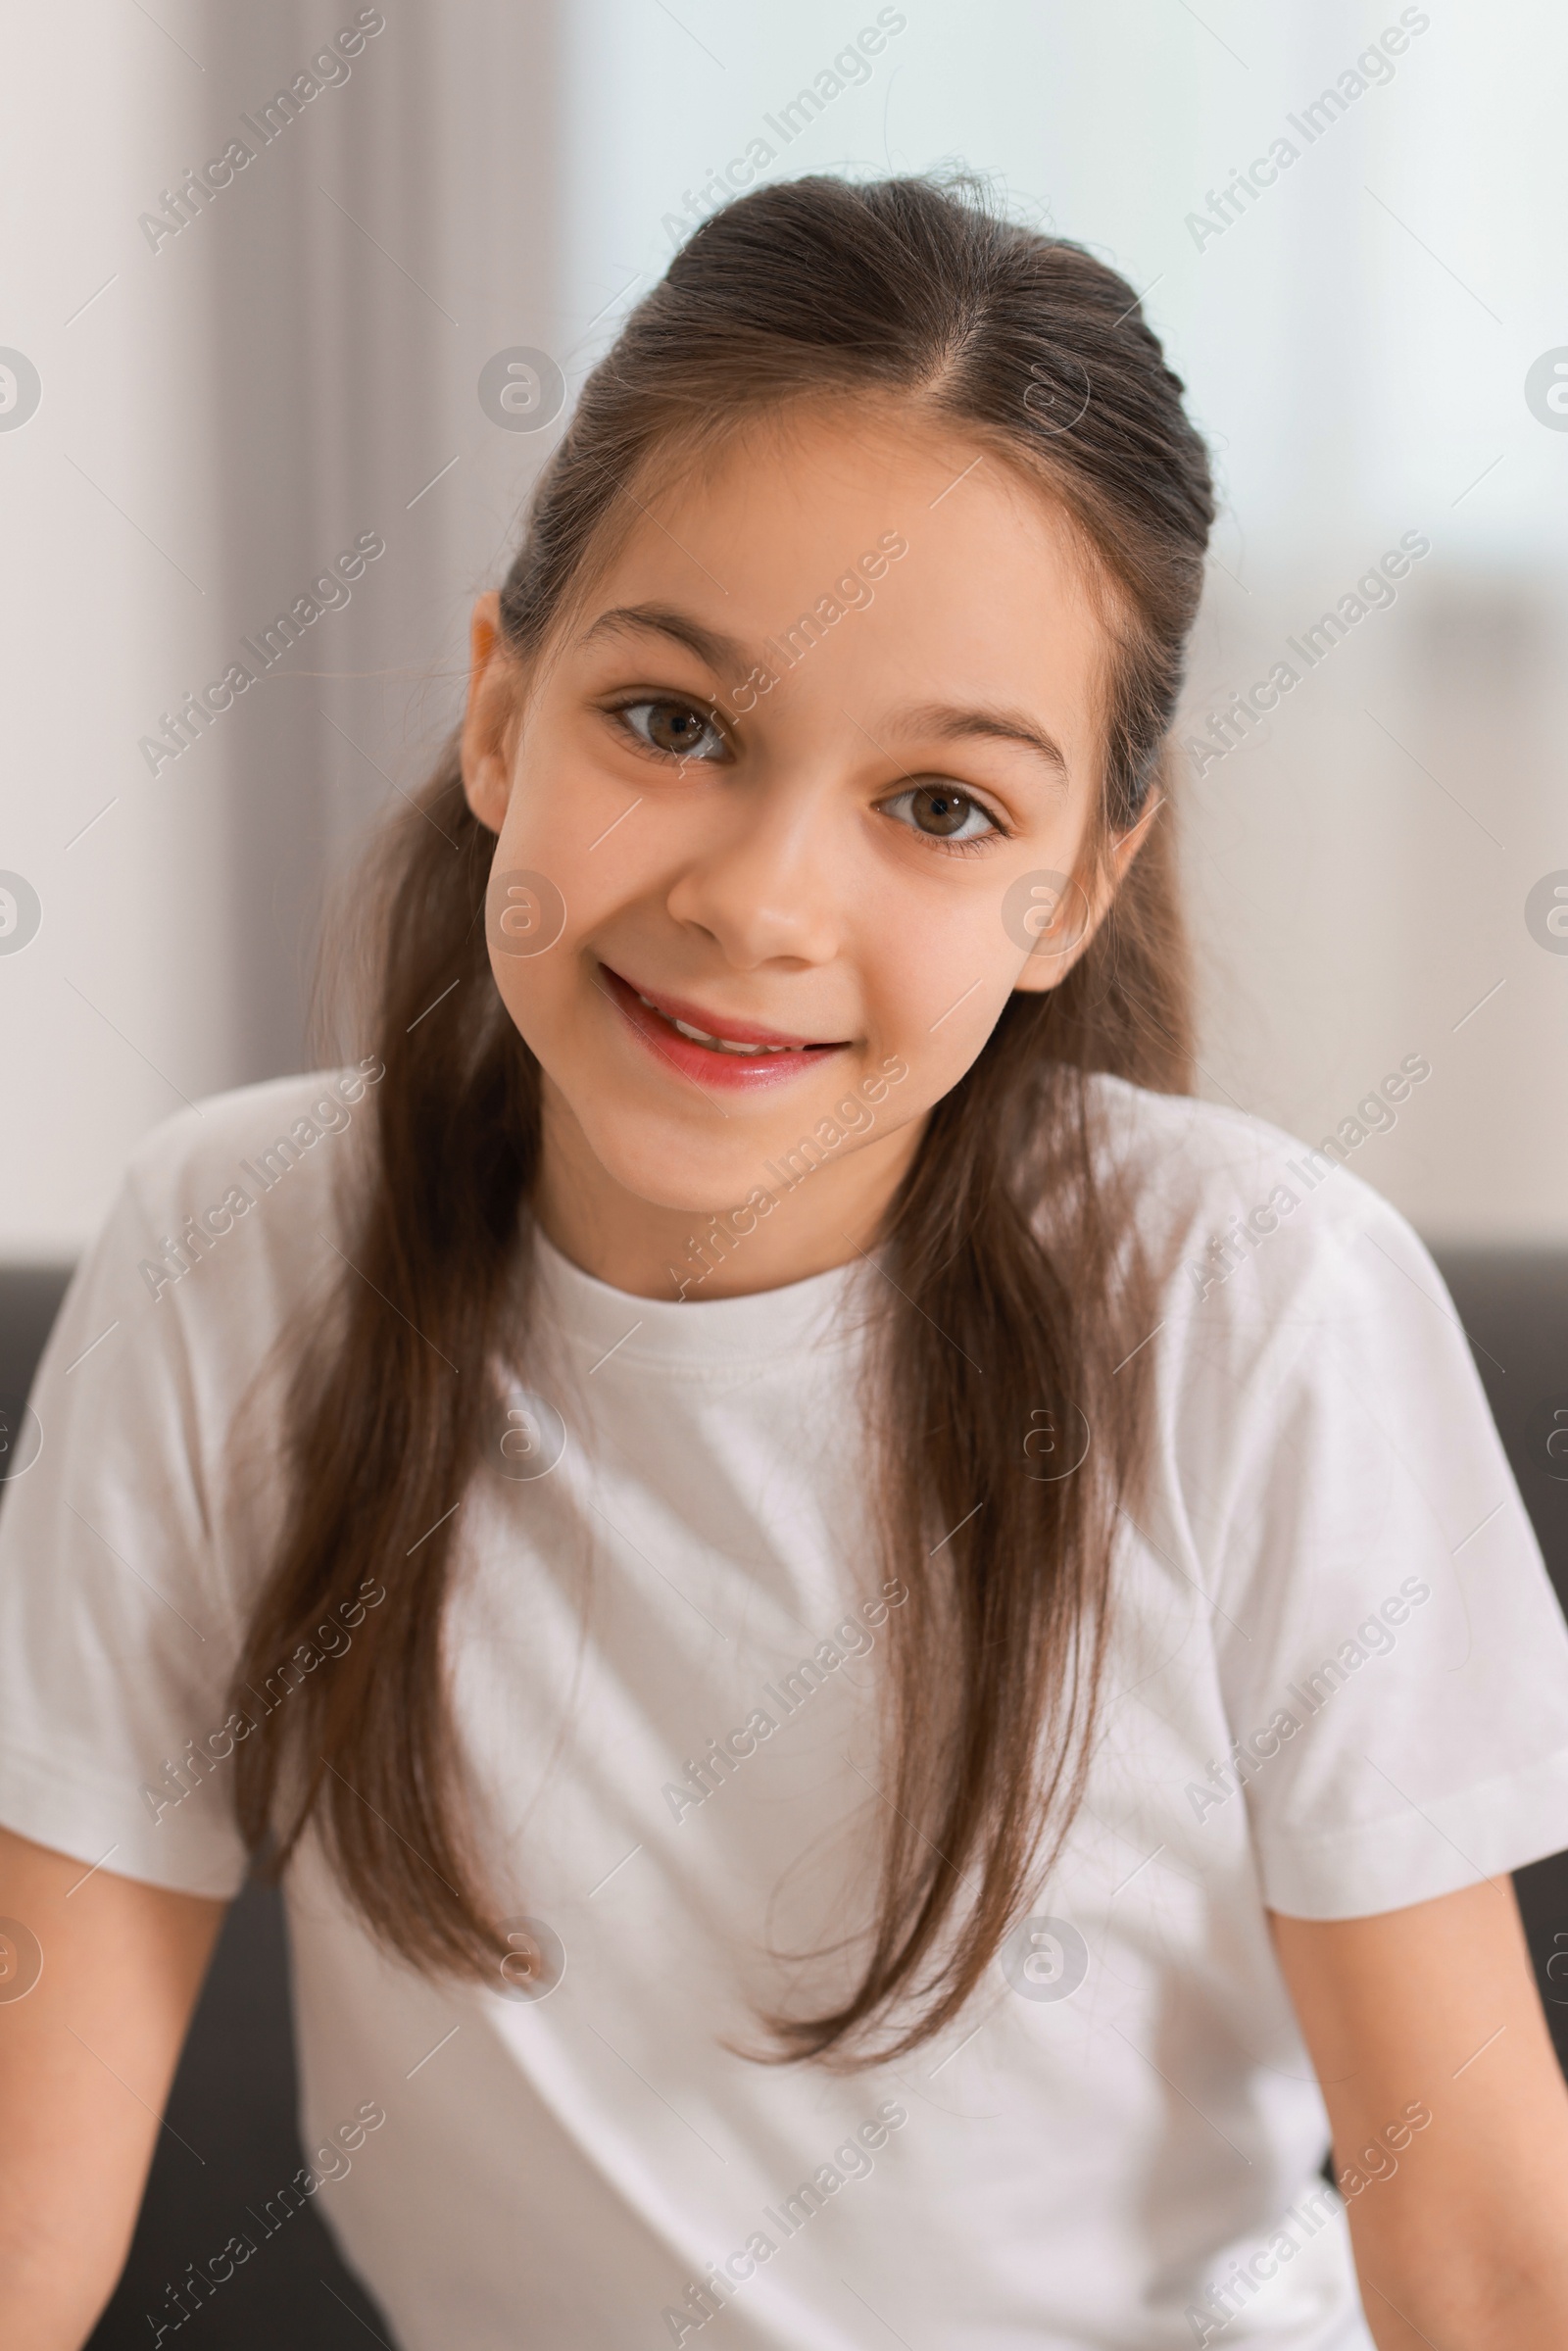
[698, 1061]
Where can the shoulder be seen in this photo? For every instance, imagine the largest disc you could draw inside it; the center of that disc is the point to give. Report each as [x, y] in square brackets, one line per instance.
[1204, 1182]
[1317, 1406]
[228, 1223]
[240, 1146]
[1260, 1243]
[229, 1211]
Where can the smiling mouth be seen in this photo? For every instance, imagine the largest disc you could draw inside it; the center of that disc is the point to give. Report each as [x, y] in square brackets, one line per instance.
[722, 1039]
[717, 1045]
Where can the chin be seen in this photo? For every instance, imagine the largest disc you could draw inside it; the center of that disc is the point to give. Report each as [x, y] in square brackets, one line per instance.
[677, 1171]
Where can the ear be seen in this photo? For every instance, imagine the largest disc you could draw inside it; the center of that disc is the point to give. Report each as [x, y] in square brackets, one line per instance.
[485, 738]
[1081, 908]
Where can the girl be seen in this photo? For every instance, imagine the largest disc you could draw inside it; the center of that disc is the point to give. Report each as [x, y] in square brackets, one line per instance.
[891, 1666]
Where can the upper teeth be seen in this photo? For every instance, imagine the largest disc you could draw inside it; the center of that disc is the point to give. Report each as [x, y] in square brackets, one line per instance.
[725, 1045]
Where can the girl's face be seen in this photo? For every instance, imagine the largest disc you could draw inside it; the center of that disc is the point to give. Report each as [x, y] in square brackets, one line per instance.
[785, 814]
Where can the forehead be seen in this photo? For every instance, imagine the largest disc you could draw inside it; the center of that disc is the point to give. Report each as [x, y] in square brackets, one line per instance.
[994, 593]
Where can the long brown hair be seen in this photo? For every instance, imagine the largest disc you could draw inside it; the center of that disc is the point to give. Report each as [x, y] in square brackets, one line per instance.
[1017, 1294]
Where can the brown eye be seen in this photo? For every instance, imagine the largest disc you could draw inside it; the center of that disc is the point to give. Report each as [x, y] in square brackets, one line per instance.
[942, 813]
[682, 730]
[936, 811]
[674, 727]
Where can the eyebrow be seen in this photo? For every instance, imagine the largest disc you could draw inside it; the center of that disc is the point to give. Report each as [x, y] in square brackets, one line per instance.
[710, 645]
[947, 721]
[951, 724]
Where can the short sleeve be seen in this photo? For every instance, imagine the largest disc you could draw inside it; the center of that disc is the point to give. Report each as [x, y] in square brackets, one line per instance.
[117, 1639]
[1393, 1659]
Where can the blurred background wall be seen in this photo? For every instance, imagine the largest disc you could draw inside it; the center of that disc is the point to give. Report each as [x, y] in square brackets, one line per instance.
[208, 395]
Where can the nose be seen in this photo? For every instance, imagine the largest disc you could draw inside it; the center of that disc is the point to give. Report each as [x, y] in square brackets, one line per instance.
[764, 887]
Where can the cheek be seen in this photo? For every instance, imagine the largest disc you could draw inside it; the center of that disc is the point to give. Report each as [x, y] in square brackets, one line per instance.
[936, 981]
[569, 783]
[527, 920]
[551, 889]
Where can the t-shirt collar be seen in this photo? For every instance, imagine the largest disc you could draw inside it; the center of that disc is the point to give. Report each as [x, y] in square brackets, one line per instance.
[824, 1311]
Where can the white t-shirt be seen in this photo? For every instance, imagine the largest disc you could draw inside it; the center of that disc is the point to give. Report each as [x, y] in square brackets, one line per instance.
[1122, 2133]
